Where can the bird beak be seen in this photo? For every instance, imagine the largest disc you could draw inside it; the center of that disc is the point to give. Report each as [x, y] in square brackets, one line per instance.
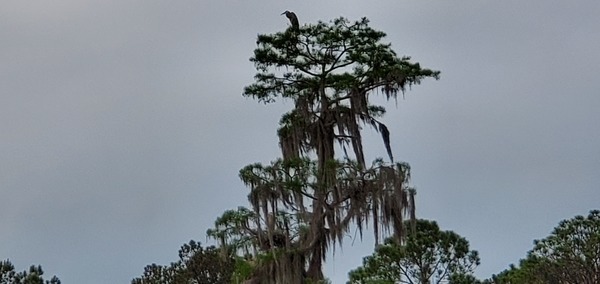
[282, 13]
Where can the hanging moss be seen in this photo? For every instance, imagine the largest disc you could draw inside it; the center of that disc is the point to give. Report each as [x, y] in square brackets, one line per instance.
[305, 203]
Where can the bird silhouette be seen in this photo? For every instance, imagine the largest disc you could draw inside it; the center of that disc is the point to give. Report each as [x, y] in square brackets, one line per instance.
[293, 19]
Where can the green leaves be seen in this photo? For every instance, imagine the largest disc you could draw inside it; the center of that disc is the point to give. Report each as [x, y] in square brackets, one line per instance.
[196, 265]
[8, 275]
[571, 254]
[572, 251]
[428, 255]
[325, 51]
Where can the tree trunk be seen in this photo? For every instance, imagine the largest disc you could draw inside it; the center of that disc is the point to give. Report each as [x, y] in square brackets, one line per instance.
[325, 178]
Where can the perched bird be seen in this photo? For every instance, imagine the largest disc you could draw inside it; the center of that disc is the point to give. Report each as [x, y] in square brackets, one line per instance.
[293, 19]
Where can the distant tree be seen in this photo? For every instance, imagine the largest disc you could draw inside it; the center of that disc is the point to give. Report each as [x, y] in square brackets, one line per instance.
[427, 256]
[571, 254]
[528, 272]
[196, 265]
[8, 275]
[461, 278]
[205, 266]
[304, 204]
[157, 274]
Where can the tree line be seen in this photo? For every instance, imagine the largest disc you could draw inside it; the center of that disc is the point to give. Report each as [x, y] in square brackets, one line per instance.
[570, 254]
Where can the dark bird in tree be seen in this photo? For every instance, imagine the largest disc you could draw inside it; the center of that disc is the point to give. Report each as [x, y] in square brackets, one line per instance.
[293, 19]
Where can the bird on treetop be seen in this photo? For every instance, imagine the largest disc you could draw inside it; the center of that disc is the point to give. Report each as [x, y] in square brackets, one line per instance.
[293, 19]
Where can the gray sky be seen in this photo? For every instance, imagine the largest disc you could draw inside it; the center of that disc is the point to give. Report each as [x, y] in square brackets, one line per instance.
[122, 126]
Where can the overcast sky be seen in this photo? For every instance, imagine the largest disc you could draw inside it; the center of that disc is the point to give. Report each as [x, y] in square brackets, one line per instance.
[122, 125]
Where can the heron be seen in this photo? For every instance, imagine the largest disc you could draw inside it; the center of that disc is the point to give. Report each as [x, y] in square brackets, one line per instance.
[293, 19]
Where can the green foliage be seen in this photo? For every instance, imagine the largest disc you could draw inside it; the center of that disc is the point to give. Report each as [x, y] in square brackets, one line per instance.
[461, 278]
[427, 256]
[157, 274]
[196, 265]
[571, 254]
[243, 270]
[8, 275]
[339, 55]
[230, 228]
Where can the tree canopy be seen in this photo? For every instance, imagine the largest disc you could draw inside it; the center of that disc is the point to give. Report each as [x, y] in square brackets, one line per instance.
[8, 275]
[429, 255]
[196, 265]
[571, 254]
